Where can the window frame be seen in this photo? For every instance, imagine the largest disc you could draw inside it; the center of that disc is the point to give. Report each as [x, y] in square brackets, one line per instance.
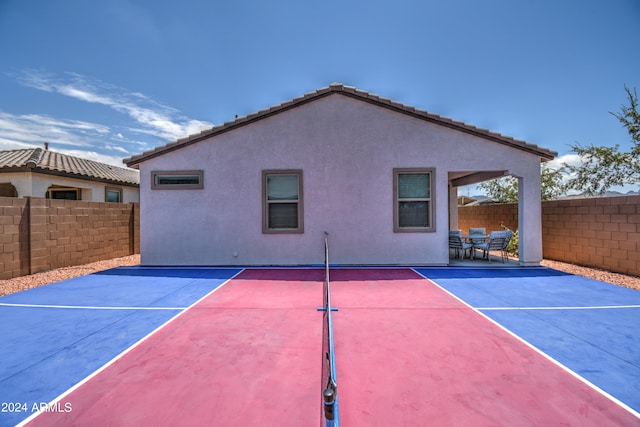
[266, 202]
[158, 173]
[113, 190]
[430, 200]
[49, 194]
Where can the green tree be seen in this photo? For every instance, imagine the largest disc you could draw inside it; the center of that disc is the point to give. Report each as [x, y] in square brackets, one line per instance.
[604, 167]
[552, 182]
[505, 190]
[502, 190]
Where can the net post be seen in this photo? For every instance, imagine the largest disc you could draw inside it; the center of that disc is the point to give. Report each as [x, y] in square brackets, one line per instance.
[326, 257]
[330, 392]
[329, 404]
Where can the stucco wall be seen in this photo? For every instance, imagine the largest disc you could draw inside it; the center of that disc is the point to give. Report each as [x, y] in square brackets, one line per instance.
[347, 150]
[36, 184]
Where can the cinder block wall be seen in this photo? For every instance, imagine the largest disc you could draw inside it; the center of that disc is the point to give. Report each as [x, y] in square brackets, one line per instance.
[595, 232]
[41, 234]
[14, 237]
[489, 217]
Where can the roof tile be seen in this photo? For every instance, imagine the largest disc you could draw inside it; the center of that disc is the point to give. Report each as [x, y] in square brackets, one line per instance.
[45, 160]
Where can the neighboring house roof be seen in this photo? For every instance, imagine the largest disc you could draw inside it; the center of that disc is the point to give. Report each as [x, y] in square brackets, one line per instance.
[51, 162]
[340, 89]
[483, 201]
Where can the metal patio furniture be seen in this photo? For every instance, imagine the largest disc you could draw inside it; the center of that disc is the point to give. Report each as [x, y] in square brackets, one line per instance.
[507, 239]
[476, 236]
[458, 244]
[495, 243]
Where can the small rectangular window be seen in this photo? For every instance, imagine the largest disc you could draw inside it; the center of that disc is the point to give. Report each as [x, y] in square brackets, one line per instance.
[413, 202]
[113, 195]
[177, 180]
[62, 193]
[282, 201]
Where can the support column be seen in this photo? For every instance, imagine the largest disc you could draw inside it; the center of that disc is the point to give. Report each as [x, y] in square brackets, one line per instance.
[530, 219]
[453, 208]
[38, 250]
[23, 185]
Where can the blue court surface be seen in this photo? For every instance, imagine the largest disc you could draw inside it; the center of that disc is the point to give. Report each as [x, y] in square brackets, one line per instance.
[59, 336]
[588, 326]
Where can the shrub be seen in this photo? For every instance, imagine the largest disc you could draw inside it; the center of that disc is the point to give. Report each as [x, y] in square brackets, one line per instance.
[512, 247]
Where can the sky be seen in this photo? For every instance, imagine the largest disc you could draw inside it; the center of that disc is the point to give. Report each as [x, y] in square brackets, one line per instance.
[106, 80]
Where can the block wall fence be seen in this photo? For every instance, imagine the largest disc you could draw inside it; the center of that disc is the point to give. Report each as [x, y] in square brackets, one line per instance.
[39, 234]
[595, 232]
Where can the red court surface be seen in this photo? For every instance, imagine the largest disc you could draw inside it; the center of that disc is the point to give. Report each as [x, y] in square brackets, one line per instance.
[407, 354]
[249, 354]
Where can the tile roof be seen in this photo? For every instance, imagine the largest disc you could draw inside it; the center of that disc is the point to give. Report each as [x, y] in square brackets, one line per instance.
[337, 88]
[45, 161]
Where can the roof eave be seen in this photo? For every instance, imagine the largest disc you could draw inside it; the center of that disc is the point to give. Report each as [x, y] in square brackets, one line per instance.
[545, 155]
[63, 174]
[134, 161]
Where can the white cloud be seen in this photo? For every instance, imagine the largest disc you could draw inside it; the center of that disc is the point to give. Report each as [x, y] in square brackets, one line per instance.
[196, 126]
[95, 156]
[83, 95]
[35, 79]
[35, 129]
[10, 144]
[570, 159]
[151, 123]
[116, 148]
[154, 118]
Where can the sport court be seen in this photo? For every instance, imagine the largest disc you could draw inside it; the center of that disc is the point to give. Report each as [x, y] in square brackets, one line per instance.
[426, 346]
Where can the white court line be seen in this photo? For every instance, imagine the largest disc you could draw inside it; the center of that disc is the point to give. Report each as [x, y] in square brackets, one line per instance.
[89, 307]
[537, 350]
[122, 354]
[594, 307]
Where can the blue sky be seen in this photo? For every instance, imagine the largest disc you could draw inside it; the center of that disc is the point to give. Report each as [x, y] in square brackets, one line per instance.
[109, 79]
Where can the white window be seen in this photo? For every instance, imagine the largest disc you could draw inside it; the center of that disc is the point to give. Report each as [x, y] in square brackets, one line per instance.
[113, 195]
[413, 200]
[282, 201]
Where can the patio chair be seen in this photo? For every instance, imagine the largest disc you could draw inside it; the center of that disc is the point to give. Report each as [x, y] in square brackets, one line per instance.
[480, 232]
[457, 244]
[495, 243]
[477, 236]
[507, 239]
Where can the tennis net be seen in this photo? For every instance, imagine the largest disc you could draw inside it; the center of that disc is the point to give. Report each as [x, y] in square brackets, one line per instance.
[330, 387]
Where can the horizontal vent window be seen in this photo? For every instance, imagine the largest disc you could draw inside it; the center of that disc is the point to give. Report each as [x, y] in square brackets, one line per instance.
[166, 180]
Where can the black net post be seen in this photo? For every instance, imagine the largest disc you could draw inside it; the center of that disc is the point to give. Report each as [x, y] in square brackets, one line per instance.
[329, 403]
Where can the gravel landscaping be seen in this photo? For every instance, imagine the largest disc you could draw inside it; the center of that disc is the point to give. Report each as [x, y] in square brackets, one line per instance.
[632, 282]
[33, 281]
[18, 284]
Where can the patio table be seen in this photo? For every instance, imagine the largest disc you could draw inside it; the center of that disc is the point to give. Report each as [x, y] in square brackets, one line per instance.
[475, 239]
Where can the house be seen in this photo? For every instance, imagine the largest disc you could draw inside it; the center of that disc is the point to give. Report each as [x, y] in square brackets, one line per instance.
[480, 201]
[379, 176]
[43, 173]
